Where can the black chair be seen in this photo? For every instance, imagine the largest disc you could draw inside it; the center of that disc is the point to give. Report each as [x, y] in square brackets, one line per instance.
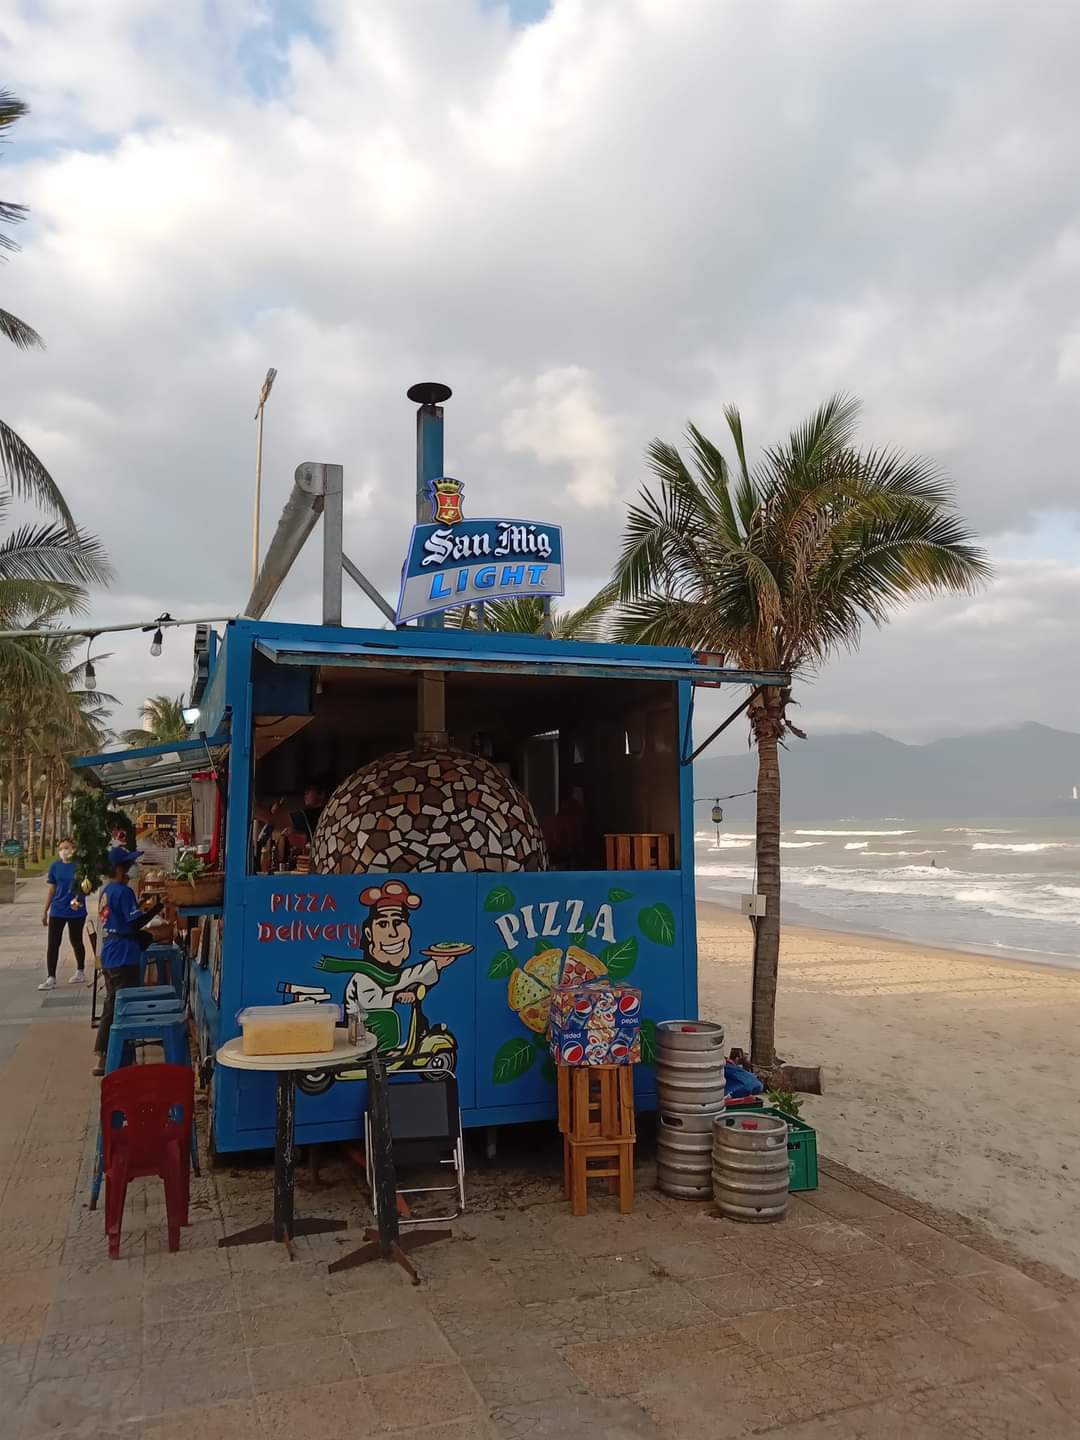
[425, 1123]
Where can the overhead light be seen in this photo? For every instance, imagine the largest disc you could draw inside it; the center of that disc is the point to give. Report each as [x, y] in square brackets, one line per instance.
[89, 673]
[190, 714]
[155, 644]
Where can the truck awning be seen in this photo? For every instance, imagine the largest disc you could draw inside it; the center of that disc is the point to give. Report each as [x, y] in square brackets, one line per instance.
[153, 770]
[381, 656]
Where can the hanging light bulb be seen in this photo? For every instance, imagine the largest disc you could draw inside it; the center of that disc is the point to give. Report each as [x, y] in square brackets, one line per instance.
[89, 673]
[155, 644]
[717, 814]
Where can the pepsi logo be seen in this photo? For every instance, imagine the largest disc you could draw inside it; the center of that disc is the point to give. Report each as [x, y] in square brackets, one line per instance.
[583, 1007]
[629, 1004]
[619, 1052]
[573, 1053]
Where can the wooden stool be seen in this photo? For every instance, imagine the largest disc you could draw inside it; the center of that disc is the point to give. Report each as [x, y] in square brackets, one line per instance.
[596, 1102]
[610, 1160]
[638, 852]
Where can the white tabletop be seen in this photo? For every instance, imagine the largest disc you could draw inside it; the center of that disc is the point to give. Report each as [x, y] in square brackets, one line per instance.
[232, 1054]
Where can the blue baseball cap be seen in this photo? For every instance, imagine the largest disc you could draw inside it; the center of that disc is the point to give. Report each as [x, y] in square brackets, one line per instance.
[119, 856]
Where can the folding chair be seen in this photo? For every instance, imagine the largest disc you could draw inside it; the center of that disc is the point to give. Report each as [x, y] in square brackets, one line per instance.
[425, 1124]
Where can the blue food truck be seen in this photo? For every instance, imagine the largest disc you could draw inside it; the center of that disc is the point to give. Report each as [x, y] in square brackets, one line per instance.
[501, 813]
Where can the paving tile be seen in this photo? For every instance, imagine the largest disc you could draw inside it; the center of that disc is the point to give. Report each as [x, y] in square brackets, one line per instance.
[300, 1363]
[176, 1384]
[692, 1259]
[310, 1316]
[357, 1311]
[230, 1420]
[341, 1411]
[105, 1347]
[947, 1306]
[574, 1417]
[285, 1284]
[519, 1372]
[897, 1230]
[473, 1427]
[664, 1306]
[836, 1319]
[381, 1352]
[184, 1266]
[188, 1301]
[89, 1402]
[601, 1275]
[432, 1394]
[725, 1403]
[844, 1202]
[1010, 1291]
[833, 1237]
[105, 1278]
[879, 1269]
[1059, 1386]
[620, 1366]
[193, 1338]
[741, 1292]
[948, 1257]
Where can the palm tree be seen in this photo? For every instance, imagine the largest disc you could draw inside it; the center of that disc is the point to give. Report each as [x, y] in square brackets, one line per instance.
[525, 616]
[164, 715]
[46, 564]
[777, 567]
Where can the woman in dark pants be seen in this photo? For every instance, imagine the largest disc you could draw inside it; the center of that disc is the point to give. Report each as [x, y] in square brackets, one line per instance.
[121, 921]
[65, 909]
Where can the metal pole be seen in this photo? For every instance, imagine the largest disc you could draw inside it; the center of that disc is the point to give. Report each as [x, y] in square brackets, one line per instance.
[333, 519]
[264, 395]
[429, 466]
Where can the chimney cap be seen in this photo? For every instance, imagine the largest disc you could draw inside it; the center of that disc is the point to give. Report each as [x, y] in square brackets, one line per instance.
[429, 392]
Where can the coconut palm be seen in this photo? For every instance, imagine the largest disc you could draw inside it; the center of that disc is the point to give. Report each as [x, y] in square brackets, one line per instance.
[42, 565]
[163, 717]
[777, 566]
[525, 616]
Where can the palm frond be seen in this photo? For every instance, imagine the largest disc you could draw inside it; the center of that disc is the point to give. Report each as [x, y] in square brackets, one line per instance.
[28, 477]
[21, 335]
[53, 555]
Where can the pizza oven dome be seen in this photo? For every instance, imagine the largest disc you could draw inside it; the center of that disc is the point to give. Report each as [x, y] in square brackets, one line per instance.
[427, 810]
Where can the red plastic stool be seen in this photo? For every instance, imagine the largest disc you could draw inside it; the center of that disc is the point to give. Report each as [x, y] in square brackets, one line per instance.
[146, 1113]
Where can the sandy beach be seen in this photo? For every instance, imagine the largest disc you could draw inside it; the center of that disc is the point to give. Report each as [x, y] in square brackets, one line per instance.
[953, 1077]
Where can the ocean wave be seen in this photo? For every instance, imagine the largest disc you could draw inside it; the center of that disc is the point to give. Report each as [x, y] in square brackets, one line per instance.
[897, 854]
[1027, 847]
[854, 832]
[801, 844]
[976, 830]
[856, 844]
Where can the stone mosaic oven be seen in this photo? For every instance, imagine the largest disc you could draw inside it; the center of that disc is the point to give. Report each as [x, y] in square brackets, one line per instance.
[434, 809]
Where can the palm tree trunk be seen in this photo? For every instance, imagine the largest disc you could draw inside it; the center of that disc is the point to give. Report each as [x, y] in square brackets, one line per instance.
[31, 813]
[767, 724]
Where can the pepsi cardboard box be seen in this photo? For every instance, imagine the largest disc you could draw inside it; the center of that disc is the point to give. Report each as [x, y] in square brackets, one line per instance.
[595, 1024]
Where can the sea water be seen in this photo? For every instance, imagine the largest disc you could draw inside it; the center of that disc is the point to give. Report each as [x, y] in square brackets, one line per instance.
[1009, 886]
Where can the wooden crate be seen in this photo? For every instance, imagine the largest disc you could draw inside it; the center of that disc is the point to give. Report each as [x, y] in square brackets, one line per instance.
[596, 1102]
[639, 851]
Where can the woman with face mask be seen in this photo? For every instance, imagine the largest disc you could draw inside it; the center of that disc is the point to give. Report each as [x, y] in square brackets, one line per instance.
[65, 908]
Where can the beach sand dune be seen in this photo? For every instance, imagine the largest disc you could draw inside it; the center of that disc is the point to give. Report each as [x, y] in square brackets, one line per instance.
[953, 1077]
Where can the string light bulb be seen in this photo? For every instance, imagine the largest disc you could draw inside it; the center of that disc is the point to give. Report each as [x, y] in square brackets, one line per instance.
[155, 644]
[89, 673]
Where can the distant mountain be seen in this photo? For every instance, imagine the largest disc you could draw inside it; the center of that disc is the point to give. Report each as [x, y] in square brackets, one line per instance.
[1029, 770]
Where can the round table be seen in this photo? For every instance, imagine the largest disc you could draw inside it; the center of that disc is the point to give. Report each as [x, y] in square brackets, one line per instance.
[284, 1225]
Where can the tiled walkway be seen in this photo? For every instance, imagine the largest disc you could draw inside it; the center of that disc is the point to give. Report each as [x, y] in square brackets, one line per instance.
[863, 1315]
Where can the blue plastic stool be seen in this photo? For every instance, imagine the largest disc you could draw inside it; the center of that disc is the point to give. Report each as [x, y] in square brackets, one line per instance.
[160, 956]
[145, 992]
[170, 1030]
[170, 1008]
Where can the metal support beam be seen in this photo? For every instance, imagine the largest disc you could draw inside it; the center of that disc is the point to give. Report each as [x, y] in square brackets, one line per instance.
[358, 577]
[333, 520]
[298, 519]
[689, 759]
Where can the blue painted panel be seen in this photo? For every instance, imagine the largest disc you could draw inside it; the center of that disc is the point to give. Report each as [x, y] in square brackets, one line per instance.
[323, 942]
[631, 923]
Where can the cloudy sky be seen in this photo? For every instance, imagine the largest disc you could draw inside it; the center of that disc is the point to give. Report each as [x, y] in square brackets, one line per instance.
[595, 219]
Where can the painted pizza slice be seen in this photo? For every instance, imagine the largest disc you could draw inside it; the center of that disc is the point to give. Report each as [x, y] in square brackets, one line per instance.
[447, 949]
[536, 1016]
[545, 967]
[523, 991]
[581, 967]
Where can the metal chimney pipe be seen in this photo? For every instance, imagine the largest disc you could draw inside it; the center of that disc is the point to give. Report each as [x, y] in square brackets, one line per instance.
[429, 396]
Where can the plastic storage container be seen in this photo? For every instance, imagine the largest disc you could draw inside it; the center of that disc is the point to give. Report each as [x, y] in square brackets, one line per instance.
[306, 1029]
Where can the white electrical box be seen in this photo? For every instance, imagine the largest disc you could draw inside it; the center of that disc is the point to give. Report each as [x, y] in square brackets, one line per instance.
[753, 905]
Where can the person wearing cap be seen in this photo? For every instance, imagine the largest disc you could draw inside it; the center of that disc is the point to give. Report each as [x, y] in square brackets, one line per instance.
[121, 920]
[65, 909]
[383, 977]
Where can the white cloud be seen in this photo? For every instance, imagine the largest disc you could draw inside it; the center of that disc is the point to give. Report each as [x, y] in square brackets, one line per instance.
[593, 227]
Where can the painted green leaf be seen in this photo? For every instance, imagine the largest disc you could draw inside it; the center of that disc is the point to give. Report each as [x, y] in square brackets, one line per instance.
[499, 900]
[547, 1070]
[658, 924]
[648, 1042]
[620, 958]
[542, 945]
[512, 1059]
[578, 940]
[502, 965]
[617, 896]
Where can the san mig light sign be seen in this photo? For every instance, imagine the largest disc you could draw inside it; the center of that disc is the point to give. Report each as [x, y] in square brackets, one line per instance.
[453, 561]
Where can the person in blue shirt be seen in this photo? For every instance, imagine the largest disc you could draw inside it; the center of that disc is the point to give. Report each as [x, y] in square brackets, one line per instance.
[121, 920]
[65, 909]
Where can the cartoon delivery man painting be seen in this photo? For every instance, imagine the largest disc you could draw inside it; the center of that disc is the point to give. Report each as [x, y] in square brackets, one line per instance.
[382, 978]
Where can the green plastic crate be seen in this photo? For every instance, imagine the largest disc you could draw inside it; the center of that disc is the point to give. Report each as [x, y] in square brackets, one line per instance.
[801, 1145]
